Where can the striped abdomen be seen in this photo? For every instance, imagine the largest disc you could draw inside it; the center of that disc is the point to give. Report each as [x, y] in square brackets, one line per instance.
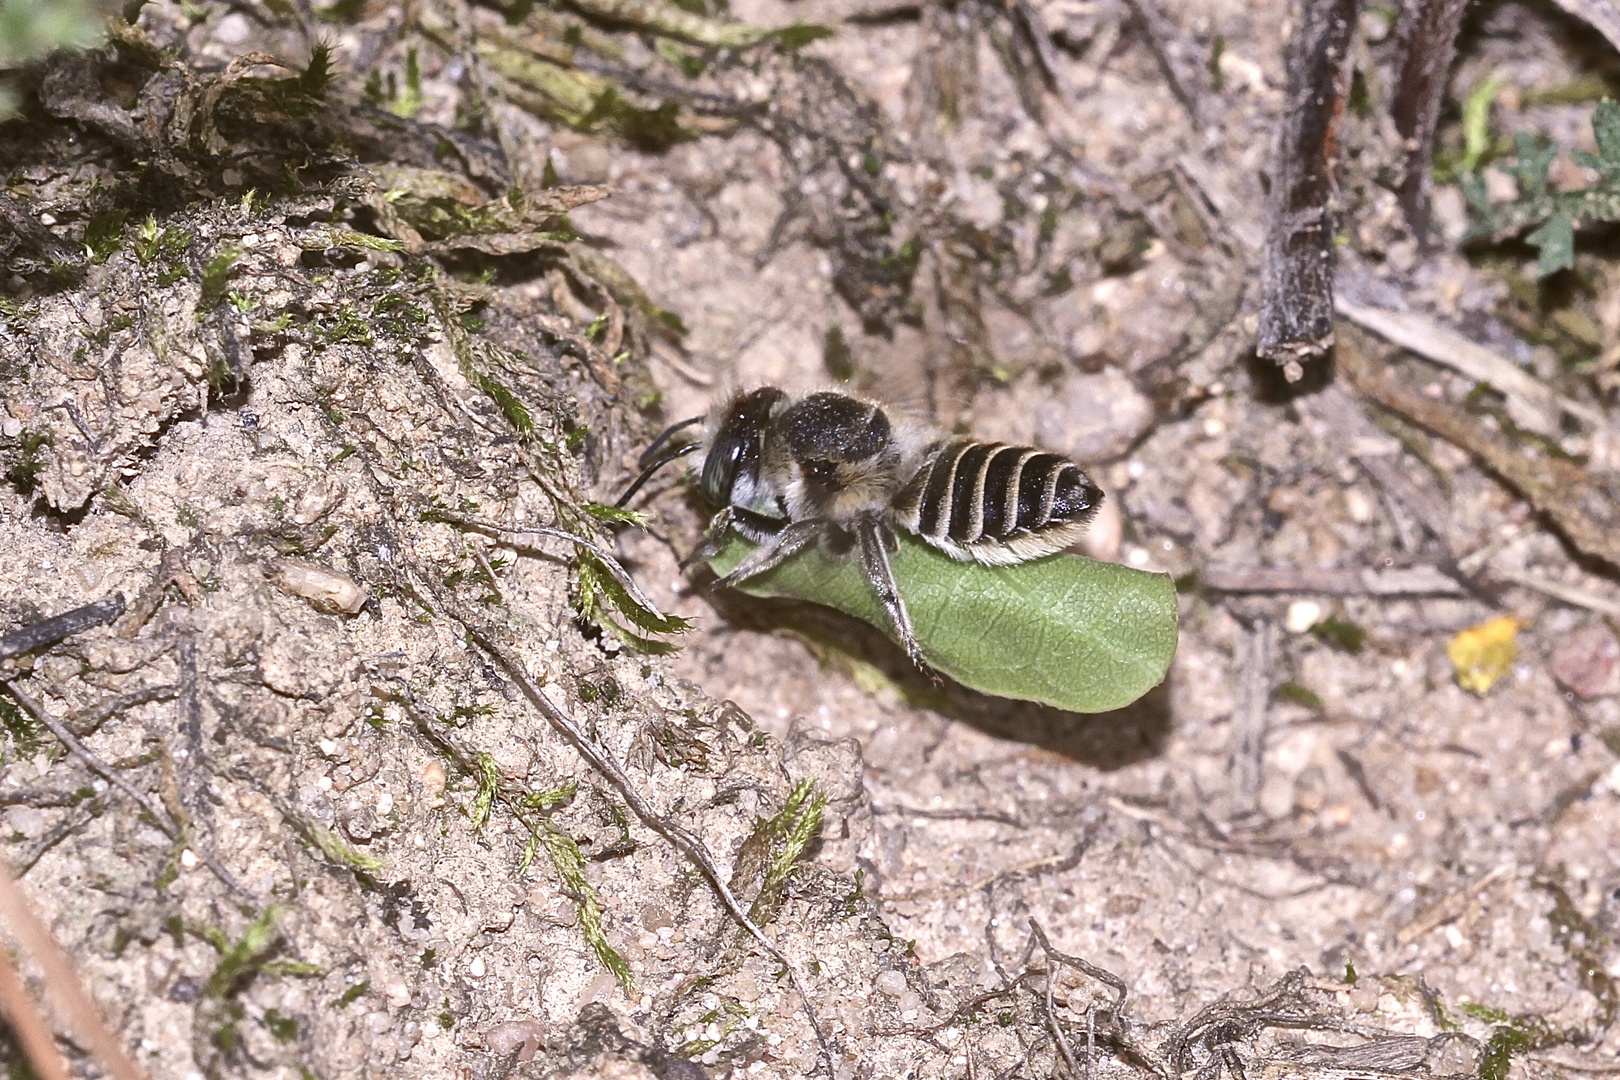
[996, 503]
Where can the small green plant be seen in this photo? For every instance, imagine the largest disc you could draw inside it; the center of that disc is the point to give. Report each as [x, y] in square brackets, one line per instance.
[251, 955]
[1552, 216]
[352, 994]
[405, 103]
[1299, 695]
[26, 732]
[489, 782]
[617, 515]
[569, 863]
[601, 596]
[1512, 1035]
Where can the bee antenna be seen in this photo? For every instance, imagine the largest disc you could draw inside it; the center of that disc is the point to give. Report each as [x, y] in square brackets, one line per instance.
[670, 454]
[663, 437]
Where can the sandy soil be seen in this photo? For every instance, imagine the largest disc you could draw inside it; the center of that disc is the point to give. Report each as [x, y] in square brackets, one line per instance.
[1309, 850]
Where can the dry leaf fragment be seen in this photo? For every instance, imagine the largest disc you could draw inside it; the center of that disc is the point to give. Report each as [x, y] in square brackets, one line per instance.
[328, 590]
[1483, 654]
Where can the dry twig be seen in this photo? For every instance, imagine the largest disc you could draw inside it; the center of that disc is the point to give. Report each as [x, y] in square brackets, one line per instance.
[77, 1009]
[162, 820]
[1532, 404]
[1296, 280]
[1430, 30]
[1403, 581]
[50, 631]
[1585, 513]
[1450, 907]
[1052, 864]
[1247, 757]
[1574, 595]
[35, 1038]
[692, 847]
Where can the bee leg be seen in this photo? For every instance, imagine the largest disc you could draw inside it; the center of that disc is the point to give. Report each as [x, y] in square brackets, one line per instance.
[713, 541]
[876, 540]
[755, 528]
[774, 552]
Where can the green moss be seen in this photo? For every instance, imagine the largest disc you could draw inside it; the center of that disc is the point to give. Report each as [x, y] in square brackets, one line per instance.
[788, 834]
[1526, 1033]
[251, 955]
[27, 461]
[1341, 634]
[26, 732]
[102, 237]
[282, 1028]
[215, 278]
[352, 994]
[1299, 695]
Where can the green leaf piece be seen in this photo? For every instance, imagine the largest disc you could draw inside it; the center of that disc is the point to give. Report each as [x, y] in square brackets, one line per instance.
[1477, 122]
[795, 37]
[1555, 242]
[1066, 631]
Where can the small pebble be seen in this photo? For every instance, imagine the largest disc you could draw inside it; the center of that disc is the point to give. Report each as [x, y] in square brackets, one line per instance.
[892, 983]
[525, 1037]
[232, 29]
[1588, 662]
[1310, 790]
[1302, 615]
[433, 779]
[1358, 505]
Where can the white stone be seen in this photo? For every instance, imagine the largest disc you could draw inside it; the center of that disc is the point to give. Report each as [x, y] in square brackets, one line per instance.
[1302, 615]
[892, 983]
[233, 29]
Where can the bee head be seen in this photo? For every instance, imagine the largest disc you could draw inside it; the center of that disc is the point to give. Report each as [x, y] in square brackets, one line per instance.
[827, 433]
[731, 467]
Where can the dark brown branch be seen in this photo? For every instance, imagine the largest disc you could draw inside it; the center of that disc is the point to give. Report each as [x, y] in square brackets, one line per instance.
[1296, 280]
[1431, 33]
[50, 631]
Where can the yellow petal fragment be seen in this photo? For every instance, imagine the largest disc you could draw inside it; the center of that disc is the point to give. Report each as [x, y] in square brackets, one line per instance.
[1484, 653]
